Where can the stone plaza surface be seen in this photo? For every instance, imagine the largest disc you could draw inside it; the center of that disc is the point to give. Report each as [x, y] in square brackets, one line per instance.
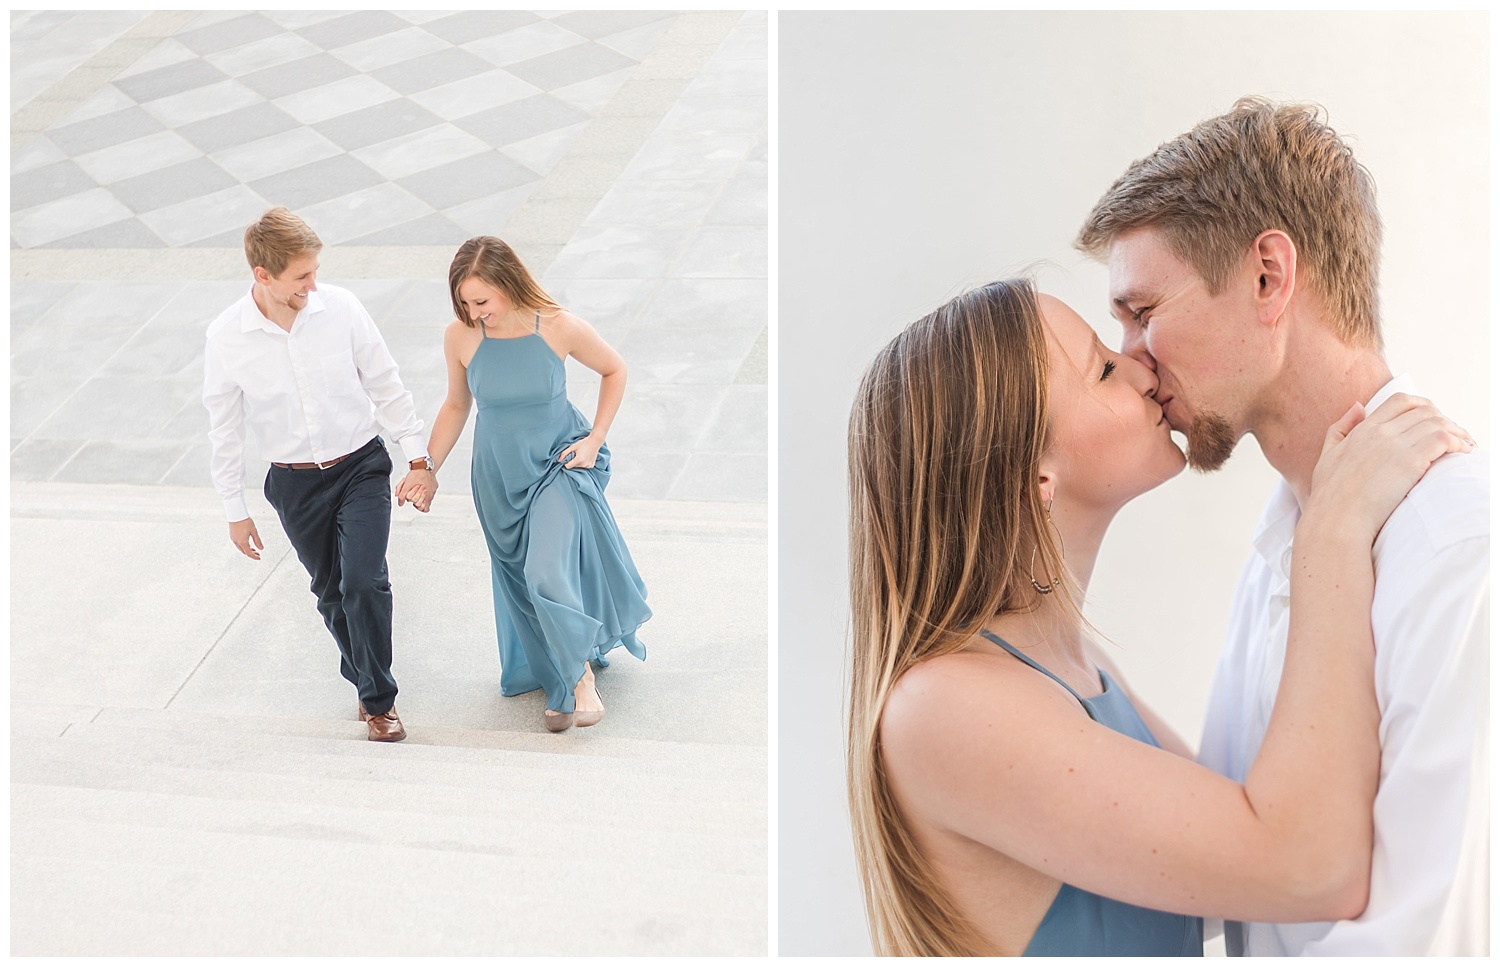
[187, 776]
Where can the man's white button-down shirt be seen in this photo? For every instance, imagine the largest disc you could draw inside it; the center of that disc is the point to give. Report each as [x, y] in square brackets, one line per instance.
[1430, 619]
[320, 391]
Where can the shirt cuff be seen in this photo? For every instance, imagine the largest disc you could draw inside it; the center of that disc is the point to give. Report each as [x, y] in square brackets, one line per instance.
[413, 447]
[235, 509]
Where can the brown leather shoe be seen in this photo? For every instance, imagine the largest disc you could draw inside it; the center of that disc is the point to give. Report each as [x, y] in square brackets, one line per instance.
[363, 715]
[385, 727]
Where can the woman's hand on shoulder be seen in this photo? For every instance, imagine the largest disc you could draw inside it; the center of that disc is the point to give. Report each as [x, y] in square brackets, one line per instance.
[1370, 461]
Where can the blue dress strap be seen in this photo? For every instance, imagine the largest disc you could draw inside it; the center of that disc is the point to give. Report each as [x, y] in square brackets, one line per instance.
[1017, 652]
[536, 326]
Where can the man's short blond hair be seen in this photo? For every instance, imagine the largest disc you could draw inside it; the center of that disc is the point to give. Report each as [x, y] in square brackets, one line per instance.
[277, 238]
[1212, 191]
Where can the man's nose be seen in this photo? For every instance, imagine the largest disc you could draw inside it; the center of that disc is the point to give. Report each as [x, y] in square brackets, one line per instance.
[312, 284]
[1133, 344]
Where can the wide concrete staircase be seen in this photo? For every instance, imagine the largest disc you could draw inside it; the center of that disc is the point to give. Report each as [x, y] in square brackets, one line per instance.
[205, 826]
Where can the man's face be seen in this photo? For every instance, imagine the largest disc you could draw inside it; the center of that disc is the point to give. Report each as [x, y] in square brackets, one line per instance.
[1194, 340]
[291, 287]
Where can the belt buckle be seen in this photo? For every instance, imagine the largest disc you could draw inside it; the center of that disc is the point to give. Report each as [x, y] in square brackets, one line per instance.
[325, 466]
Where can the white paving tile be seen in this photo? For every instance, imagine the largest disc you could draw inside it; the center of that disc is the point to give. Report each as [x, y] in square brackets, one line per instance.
[474, 94]
[213, 214]
[524, 43]
[41, 151]
[488, 215]
[545, 150]
[107, 100]
[591, 95]
[273, 155]
[362, 212]
[388, 49]
[419, 151]
[66, 216]
[268, 52]
[333, 100]
[297, 19]
[208, 101]
[151, 153]
[637, 42]
[164, 54]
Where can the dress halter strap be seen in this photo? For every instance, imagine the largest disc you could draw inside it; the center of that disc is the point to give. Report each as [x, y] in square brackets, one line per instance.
[1014, 651]
[537, 325]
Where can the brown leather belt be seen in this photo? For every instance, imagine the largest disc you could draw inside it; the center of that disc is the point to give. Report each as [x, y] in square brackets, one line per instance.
[314, 466]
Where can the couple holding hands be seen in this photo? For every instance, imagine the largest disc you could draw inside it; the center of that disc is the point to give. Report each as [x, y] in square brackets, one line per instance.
[1009, 794]
[304, 366]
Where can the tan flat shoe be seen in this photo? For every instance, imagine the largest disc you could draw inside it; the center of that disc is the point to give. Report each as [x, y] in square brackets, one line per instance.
[557, 721]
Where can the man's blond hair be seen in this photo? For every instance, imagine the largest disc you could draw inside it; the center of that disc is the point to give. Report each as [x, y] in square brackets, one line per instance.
[277, 238]
[1212, 191]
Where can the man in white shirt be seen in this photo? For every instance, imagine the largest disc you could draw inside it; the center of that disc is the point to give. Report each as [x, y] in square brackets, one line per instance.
[306, 368]
[1243, 262]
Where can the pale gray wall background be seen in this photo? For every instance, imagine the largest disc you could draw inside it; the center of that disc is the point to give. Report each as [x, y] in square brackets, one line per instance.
[923, 153]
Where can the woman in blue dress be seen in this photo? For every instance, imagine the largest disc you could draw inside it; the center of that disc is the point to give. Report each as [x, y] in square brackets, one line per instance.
[1008, 794]
[566, 591]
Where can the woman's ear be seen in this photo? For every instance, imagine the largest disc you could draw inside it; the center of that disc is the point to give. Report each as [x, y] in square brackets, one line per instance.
[1047, 483]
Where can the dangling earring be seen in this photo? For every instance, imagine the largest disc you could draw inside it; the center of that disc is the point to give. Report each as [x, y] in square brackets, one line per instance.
[1043, 588]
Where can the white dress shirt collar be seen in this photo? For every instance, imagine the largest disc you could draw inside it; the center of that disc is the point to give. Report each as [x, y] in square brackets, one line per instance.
[251, 318]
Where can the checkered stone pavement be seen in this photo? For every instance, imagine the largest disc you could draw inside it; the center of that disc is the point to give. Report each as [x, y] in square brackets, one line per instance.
[377, 127]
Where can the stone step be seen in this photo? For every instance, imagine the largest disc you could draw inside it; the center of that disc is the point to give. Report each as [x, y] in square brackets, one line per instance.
[282, 768]
[89, 888]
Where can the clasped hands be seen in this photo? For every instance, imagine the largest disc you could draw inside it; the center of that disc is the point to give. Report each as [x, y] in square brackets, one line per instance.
[417, 488]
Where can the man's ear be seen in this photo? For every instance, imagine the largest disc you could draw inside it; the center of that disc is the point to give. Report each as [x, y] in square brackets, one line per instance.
[1275, 256]
[261, 275]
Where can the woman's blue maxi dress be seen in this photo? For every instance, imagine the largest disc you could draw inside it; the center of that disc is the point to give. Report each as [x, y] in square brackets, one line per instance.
[566, 590]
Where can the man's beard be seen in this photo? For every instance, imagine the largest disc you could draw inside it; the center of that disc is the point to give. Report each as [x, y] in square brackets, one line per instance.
[1210, 442]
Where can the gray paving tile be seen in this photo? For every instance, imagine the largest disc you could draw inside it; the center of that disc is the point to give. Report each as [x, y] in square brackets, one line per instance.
[360, 213]
[686, 356]
[298, 19]
[658, 417]
[157, 352]
[707, 303]
[198, 218]
[730, 78]
[594, 24]
[29, 301]
[756, 164]
[637, 42]
[68, 354]
[388, 49]
[722, 476]
[274, 50]
[644, 474]
[229, 33]
[339, 97]
[197, 304]
[238, 127]
[434, 229]
[49, 183]
[431, 70]
[119, 408]
[474, 94]
[120, 462]
[317, 182]
[743, 203]
[66, 216]
[524, 43]
[467, 179]
[739, 425]
[542, 153]
[379, 123]
[279, 152]
[231, 238]
[174, 79]
[101, 132]
[350, 29]
[570, 65]
[668, 204]
[202, 102]
[521, 119]
[425, 149]
[705, 116]
[487, 215]
[40, 459]
[189, 424]
[38, 153]
[424, 305]
[461, 28]
[127, 304]
[376, 295]
[129, 233]
[171, 185]
[192, 468]
[606, 304]
[609, 252]
[34, 399]
[756, 369]
[166, 53]
[298, 75]
[137, 157]
[725, 252]
[676, 158]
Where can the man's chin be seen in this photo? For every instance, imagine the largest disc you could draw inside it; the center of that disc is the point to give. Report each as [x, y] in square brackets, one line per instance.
[1211, 441]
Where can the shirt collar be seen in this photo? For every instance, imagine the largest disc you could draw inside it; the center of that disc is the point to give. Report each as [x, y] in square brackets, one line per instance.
[1278, 523]
[252, 319]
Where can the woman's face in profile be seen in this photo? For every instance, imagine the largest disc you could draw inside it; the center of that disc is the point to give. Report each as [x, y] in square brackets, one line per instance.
[482, 301]
[1107, 439]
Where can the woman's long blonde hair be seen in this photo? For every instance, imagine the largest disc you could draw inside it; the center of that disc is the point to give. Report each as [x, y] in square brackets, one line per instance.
[945, 514]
